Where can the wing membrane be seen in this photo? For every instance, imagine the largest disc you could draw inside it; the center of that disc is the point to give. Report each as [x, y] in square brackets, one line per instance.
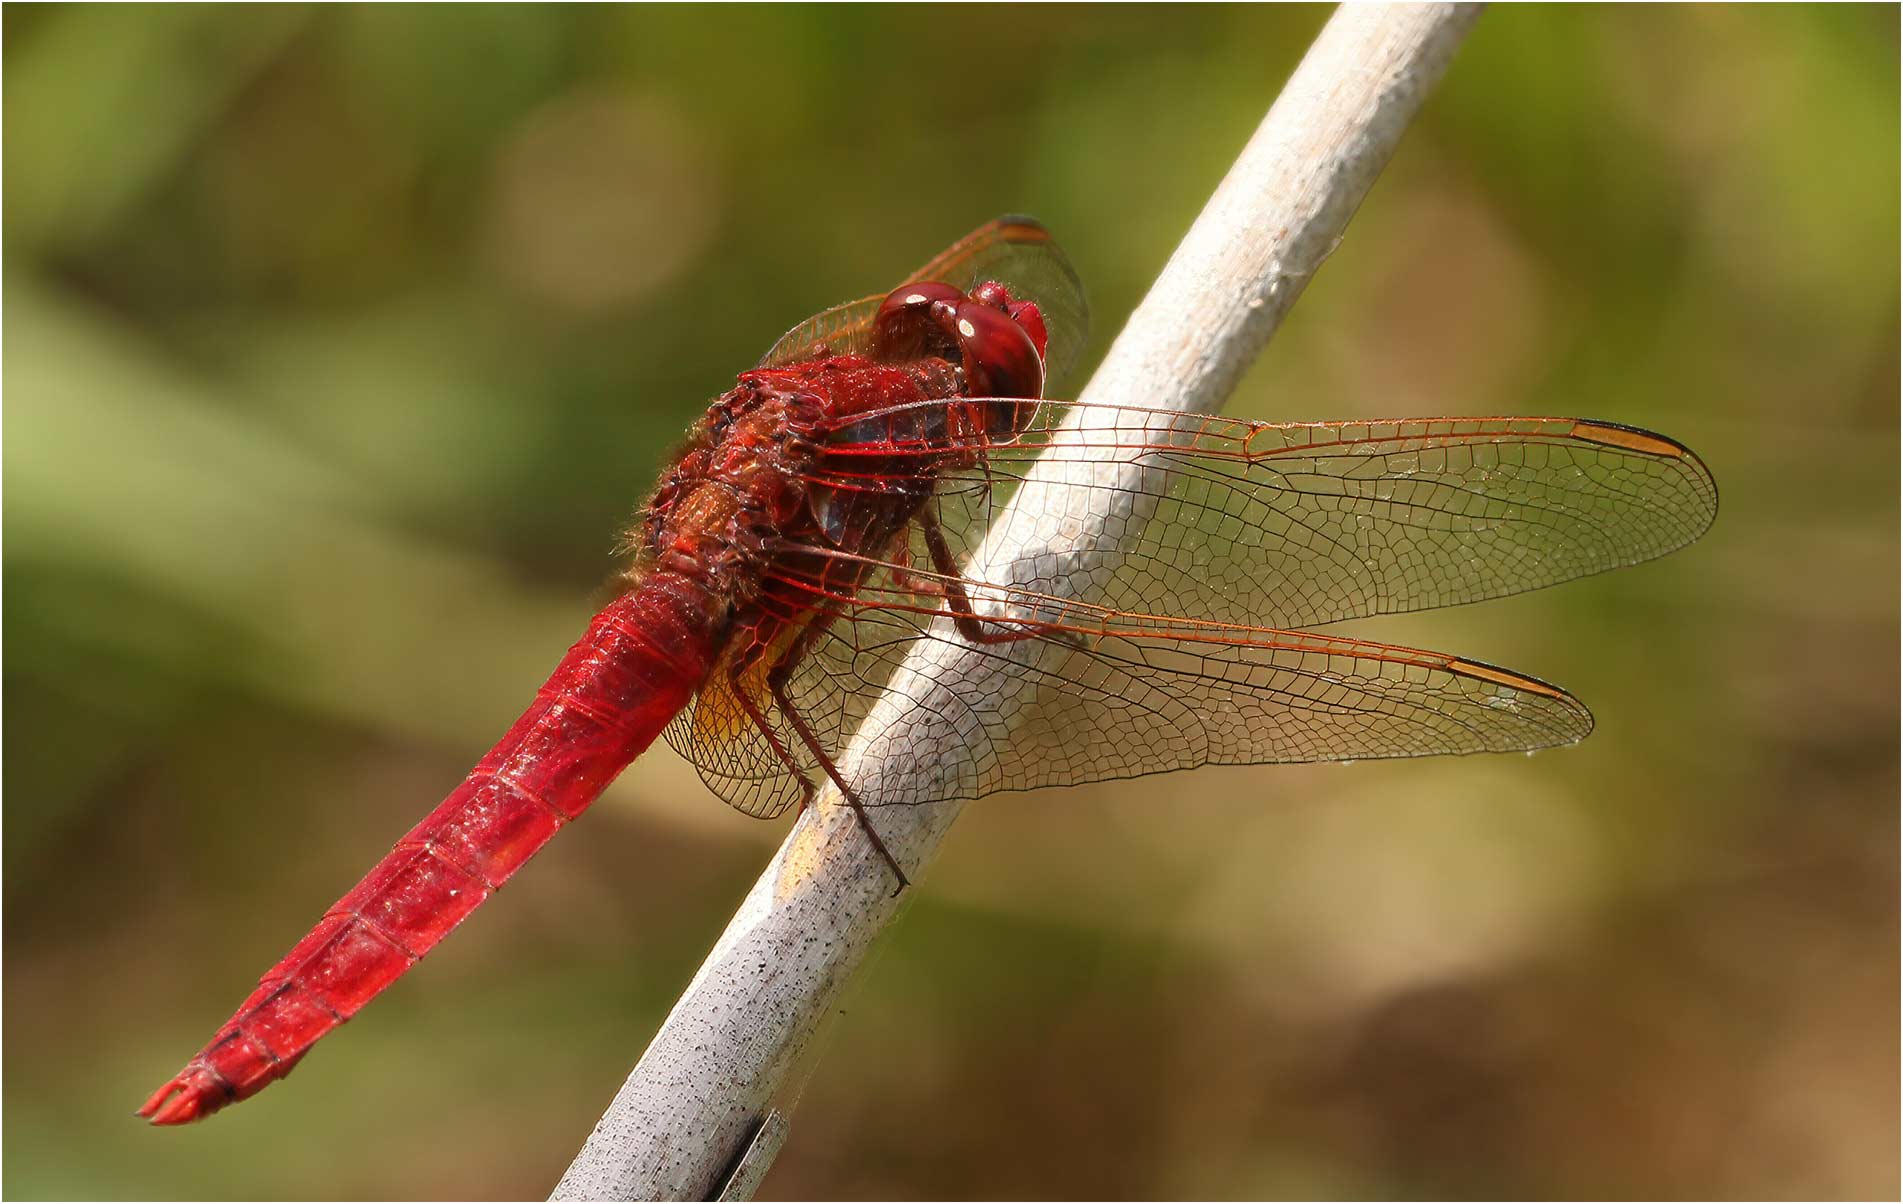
[1293, 525]
[1101, 694]
[717, 733]
[1206, 564]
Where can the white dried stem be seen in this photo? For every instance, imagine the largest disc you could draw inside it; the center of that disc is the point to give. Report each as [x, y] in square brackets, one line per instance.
[712, 1069]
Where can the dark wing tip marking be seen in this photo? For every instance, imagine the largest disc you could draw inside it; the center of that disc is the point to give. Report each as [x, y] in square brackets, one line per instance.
[1505, 677]
[1579, 720]
[1631, 438]
[1663, 447]
[1022, 227]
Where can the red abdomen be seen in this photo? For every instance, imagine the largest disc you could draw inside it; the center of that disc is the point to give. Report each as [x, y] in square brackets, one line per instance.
[641, 660]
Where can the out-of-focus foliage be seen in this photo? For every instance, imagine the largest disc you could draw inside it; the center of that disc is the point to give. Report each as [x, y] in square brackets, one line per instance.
[339, 342]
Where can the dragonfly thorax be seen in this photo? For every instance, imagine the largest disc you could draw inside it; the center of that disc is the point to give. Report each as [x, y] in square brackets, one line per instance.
[752, 479]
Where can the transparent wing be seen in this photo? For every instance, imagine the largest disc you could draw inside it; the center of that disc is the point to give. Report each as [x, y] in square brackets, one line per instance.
[1234, 535]
[1090, 694]
[833, 688]
[845, 329]
[1292, 525]
[1015, 251]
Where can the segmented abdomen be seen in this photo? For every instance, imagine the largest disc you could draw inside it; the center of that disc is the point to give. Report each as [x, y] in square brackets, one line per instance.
[639, 663]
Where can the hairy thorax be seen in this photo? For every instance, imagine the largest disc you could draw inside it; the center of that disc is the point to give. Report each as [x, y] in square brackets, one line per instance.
[742, 490]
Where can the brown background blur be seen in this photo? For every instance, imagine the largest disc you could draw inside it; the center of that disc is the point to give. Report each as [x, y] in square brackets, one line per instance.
[339, 343]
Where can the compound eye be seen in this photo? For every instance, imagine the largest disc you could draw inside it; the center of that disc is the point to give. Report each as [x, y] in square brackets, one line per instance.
[905, 329]
[1024, 313]
[1029, 316]
[999, 357]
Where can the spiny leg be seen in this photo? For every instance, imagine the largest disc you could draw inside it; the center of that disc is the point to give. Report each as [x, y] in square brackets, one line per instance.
[982, 457]
[900, 570]
[808, 788]
[952, 589]
[776, 680]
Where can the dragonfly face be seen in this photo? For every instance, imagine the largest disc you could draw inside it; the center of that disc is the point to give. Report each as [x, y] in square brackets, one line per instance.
[997, 340]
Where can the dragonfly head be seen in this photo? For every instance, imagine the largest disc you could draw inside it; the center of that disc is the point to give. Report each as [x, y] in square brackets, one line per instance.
[998, 340]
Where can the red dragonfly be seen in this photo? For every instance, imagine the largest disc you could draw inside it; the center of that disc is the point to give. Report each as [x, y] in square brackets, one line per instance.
[812, 530]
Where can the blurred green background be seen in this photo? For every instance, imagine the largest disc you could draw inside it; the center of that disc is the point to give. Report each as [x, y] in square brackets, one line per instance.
[339, 343]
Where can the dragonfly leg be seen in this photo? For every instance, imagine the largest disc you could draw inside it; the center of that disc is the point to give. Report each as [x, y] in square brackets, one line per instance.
[900, 568]
[776, 680]
[808, 788]
[953, 589]
[903, 576]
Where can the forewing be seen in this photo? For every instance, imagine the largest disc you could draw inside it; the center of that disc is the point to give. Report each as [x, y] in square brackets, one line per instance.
[1015, 251]
[1292, 525]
